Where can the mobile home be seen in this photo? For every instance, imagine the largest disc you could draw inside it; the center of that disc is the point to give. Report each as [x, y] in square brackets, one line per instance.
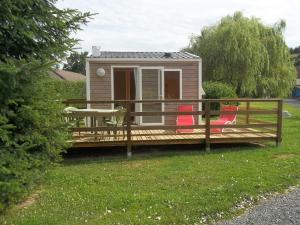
[145, 76]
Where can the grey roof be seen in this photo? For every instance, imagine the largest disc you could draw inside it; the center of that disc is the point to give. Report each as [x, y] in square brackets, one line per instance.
[147, 55]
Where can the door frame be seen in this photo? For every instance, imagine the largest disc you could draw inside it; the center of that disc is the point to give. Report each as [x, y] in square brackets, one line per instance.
[136, 71]
[138, 88]
[161, 88]
[180, 79]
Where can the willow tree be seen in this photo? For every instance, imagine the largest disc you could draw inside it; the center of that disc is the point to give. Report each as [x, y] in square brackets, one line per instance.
[247, 54]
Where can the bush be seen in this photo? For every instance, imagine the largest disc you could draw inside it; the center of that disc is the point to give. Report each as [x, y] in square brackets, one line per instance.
[66, 89]
[32, 132]
[217, 90]
[35, 36]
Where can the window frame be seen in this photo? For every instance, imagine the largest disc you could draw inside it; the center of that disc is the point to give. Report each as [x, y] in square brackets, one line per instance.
[180, 81]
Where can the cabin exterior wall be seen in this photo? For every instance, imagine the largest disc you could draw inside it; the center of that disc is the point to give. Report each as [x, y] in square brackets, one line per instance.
[100, 88]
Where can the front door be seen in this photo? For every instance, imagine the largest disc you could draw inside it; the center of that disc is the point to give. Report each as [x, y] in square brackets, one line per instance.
[151, 88]
[124, 81]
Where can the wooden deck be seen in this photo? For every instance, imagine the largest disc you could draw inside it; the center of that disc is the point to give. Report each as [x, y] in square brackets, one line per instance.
[253, 125]
[160, 137]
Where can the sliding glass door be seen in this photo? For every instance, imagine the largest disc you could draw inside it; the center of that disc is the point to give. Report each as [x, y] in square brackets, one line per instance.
[151, 89]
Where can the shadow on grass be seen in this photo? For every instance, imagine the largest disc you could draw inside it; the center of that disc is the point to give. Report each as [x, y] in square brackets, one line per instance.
[115, 154]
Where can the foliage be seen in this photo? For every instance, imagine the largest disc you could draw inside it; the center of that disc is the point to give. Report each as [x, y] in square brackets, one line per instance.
[37, 29]
[178, 186]
[217, 90]
[296, 55]
[66, 89]
[296, 59]
[33, 34]
[245, 53]
[76, 62]
[32, 131]
[295, 50]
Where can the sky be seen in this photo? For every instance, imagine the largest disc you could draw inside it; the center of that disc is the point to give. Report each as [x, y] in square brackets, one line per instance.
[167, 25]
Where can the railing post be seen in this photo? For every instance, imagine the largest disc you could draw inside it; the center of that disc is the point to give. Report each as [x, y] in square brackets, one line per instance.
[279, 122]
[128, 127]
[207, 126]
[247, 115]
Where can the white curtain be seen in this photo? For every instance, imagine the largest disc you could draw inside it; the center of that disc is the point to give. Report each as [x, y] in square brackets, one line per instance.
[137, 91]
[136, 82]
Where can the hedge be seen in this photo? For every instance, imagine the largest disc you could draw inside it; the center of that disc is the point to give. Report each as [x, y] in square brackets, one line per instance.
[66, 89]
[217, 90]
[32, 132]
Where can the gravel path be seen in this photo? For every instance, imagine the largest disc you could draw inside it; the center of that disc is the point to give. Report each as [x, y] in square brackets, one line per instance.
[295, 102]
[282, 209]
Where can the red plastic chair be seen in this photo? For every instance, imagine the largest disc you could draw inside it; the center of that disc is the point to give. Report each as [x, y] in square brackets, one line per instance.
[224, 118]
[185, 119]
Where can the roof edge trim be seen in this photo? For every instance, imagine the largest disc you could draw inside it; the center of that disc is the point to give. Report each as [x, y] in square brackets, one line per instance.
[94, 59]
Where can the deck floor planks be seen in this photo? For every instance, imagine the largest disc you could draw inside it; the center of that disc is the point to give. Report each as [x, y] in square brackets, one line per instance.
[140, 138]
[166, 135]
[148, 132]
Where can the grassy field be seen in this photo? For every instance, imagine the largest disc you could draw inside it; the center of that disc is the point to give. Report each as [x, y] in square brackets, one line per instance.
[185, 186]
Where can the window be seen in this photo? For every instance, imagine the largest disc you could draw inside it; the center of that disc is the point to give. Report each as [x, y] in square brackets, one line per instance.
[172, 84]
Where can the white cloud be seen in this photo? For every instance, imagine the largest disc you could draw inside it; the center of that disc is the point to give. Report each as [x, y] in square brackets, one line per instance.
[165, 25]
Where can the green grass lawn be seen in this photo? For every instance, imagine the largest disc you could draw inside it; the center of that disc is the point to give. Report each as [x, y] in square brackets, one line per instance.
[179, 187]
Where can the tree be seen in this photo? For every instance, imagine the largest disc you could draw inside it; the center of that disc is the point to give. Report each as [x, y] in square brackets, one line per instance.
[295, 50]
[37, 29]
[76, 62]
[246, 54]
[34, 35]
[297, 60]
[296, 55]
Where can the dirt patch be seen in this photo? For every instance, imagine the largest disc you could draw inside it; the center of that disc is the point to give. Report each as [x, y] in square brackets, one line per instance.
[285, 156]
[30, 200]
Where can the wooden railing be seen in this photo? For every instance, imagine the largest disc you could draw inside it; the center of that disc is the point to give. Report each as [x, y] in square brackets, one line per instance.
[269, 128]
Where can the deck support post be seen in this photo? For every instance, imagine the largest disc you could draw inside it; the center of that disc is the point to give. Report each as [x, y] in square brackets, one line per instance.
[129, 153]
[207, 126]
[247, 115]
[128, 128]
[279, 123]
[207, 148]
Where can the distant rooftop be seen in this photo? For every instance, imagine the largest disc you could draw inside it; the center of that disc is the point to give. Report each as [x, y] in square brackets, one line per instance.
[67, 75]
[146, 55]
